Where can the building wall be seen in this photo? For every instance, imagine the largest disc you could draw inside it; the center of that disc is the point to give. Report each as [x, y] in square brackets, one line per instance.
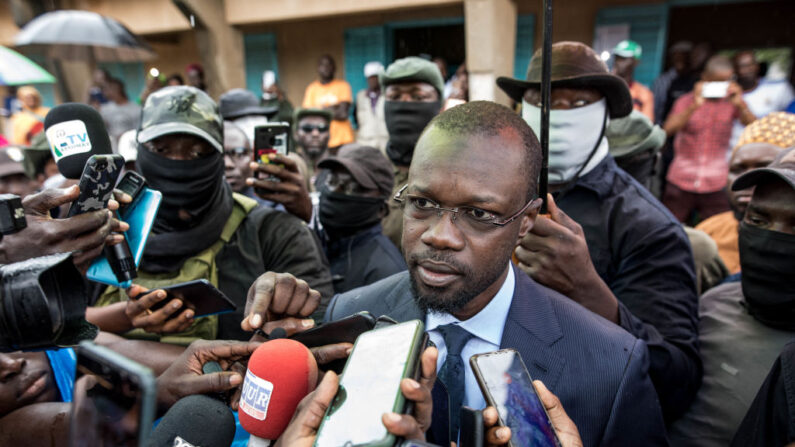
[301, 43]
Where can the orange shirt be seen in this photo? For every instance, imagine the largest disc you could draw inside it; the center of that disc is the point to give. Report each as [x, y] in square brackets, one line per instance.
[320, 96]
[642, 99]
[722, 228]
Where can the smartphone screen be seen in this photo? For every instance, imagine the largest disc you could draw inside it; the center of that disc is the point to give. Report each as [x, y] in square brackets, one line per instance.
[509, 388]
[113, 403]
[370, 385]
[715, 90]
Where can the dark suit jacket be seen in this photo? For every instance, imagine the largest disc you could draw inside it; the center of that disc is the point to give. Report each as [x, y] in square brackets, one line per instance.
[598, 370]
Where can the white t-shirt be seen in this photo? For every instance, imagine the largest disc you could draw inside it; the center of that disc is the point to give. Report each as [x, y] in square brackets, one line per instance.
[767, 97]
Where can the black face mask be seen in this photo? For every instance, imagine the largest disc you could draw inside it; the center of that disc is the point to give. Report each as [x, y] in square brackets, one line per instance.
[343, 215]
[768, 275]
[190, 185]
[405, 121]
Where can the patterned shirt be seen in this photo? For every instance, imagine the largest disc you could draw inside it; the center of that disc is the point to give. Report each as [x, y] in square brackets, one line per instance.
[700, 164]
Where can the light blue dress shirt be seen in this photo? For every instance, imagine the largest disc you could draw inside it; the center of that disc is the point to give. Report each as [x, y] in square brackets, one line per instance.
[486, 326]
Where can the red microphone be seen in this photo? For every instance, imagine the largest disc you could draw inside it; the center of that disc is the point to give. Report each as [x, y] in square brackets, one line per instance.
[280, 374]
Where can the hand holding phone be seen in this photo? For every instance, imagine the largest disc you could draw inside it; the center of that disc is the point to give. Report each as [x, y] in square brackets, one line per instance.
[368, 399]
[506, 385]
[170, 317]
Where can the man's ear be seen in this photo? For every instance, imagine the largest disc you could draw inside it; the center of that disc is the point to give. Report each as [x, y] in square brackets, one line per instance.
[529, 218]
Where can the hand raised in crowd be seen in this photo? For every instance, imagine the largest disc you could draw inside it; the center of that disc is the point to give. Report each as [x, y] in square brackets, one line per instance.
[85, 234]
[735, 94]
[302, 429]
[185, 377]
[555, 253]
[164, 320]
[290, 191]
[698, 94]
[279, 300]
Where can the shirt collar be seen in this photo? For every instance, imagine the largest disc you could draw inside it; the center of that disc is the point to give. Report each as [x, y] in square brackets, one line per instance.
[482, 325]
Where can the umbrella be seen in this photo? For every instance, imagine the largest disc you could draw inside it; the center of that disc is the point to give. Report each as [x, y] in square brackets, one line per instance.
[16, 69]
[83, 35]
[546, 83]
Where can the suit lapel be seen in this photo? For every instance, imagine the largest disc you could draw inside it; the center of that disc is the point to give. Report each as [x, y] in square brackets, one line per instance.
[532, 328]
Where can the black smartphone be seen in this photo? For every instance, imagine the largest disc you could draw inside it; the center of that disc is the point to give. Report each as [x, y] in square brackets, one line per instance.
[131, 183]
[97, 183]
[346, 330]
[471, 433]
[114, 400]
[271, 138]
[506, 385]
[199, 295]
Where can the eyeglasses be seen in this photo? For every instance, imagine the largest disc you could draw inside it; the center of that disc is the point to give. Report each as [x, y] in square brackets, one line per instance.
[472, 219]
[308, 128]
[238, 152]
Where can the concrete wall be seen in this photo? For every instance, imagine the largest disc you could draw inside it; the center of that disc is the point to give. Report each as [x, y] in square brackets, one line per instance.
[242, 12]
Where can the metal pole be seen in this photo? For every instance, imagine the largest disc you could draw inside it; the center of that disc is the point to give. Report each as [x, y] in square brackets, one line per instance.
[546, 59]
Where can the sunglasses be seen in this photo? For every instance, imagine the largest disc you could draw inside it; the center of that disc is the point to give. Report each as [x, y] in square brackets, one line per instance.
[308, 128]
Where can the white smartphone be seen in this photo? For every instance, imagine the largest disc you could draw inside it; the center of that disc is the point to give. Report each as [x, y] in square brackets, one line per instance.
[715, 90]
[370, 386]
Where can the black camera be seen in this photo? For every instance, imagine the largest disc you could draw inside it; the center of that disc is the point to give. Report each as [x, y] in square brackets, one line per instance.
[12, 215]
[43, 304]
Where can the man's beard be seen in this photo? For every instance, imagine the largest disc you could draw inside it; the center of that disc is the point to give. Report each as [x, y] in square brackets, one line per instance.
[746, 83]
[437, 300]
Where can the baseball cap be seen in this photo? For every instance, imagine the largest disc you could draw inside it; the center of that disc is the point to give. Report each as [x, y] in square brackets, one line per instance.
[241, 102]
[368, 166]
[783, 167]
[628, 48]
[11, 161]
[633, 134]
[181, 109]
[413, 68]
[306, 111]
[128, 146]
[373, 68]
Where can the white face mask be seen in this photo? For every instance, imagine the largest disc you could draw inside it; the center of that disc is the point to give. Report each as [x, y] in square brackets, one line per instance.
[573, 134]
[248, 123]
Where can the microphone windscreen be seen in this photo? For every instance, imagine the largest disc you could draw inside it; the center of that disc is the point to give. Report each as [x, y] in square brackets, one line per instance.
[197, 421]
[280, 373]
[75, 132]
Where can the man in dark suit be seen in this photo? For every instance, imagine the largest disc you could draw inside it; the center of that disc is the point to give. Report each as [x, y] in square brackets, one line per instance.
[470, 197]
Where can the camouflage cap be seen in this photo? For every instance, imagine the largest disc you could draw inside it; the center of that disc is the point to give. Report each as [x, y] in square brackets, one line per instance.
[181, 109]
[413, 68]
[302, 112]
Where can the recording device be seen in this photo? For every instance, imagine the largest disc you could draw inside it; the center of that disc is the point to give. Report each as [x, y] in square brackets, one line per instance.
[114, 400]
[115, 267]
[271, 138]
[354, 416]
[12, 215]
[195, 421]
[280, 373]
[471, 428]
[199, 295]
[715, 90]
[42, 304]
[507, 386]
[346, 330]
[96, 183]
[75, 132]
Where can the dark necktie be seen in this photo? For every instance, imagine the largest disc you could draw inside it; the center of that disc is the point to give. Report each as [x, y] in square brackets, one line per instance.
[452, 373]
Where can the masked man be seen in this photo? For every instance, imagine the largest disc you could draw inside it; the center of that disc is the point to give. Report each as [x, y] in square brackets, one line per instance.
[203, 230]
[608, 243]
[745, 324]
[352, 203]
[413, 90]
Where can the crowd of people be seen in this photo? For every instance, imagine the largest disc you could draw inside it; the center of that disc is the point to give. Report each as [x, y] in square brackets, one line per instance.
[654, 300]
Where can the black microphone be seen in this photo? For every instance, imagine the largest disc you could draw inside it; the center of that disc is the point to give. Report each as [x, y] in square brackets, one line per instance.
[75, 133]
[195, 421]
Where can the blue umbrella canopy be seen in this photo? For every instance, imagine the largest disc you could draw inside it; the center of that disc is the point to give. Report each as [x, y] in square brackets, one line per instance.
[16, 69]
[83, 35]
